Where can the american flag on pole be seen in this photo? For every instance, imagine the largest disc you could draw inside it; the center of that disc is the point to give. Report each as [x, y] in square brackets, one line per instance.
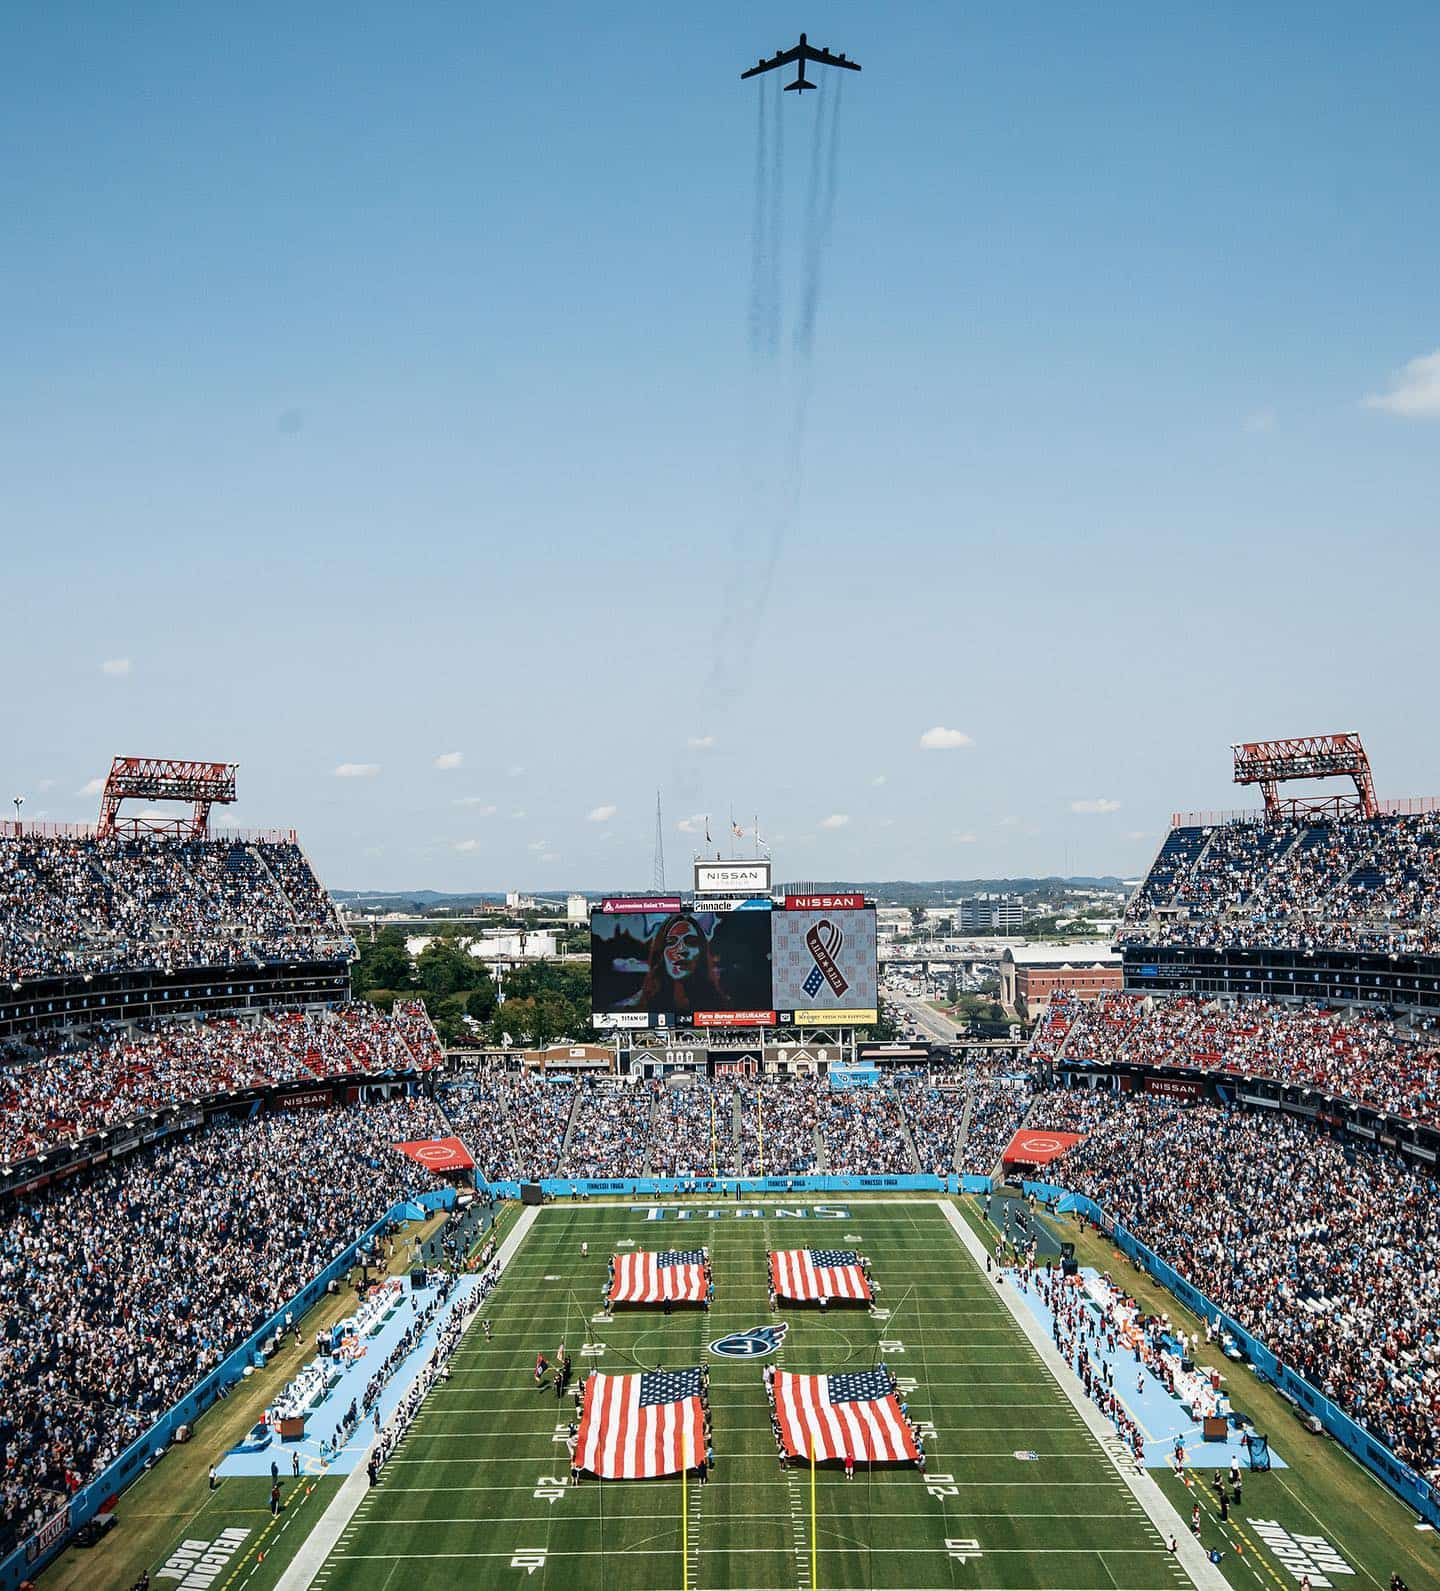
[673, 1276]
[806, 1273]
[634, 1427]
[855, 1414]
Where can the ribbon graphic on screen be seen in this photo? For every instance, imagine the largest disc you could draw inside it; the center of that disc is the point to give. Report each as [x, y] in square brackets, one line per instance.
[823, 941]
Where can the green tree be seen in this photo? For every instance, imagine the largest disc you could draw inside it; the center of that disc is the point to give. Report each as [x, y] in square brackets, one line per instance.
[445, 966]
[383, 963]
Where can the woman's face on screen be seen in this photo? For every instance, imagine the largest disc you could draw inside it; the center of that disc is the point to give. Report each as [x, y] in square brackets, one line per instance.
[681, 952]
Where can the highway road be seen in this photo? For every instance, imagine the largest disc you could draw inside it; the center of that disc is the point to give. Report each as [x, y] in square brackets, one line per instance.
[931, 1024]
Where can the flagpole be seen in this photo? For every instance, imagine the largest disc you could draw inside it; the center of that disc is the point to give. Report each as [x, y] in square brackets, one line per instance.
[814, 1578]
[684, 1513]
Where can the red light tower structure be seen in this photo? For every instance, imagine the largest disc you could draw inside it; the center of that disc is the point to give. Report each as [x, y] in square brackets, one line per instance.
[1271, 763]
[165, 779]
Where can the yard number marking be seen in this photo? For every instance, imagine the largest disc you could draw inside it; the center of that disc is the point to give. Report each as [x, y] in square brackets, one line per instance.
[529, 1559]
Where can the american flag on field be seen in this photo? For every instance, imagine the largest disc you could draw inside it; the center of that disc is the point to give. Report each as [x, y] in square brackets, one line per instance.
[673, 1276]
[639, 1426]
[802, 1273]
[855, 1414]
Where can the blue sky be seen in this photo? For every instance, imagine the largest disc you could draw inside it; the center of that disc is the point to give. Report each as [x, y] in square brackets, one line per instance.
[376, 387]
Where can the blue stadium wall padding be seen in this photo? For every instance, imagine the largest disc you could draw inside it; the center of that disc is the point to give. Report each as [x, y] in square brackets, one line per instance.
[723, 1187]
[970, 1183]
[28, 1558]
[1050, 1193]
[1412, 1489]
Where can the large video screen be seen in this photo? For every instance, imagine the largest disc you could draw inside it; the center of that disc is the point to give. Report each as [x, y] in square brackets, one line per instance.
[824, 965]
[680, 969]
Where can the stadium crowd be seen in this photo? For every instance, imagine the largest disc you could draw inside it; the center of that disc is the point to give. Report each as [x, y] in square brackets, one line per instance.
[1334, 1265]
[1365, 1056]
[779, 1119]
[787, 1126]
[120, 1291]
[1000, 1098]
[864, 1133]
[1365, 884]
[80, 1084]
[610, 1131]
[694, 1130]
[71, 905]
[933, 1113]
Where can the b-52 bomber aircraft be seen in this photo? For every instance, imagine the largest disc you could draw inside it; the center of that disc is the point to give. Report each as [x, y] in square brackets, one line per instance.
[801, 53]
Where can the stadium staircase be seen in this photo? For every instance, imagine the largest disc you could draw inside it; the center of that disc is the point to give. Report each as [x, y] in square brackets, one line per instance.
[905, 1132]
[569, 1128]
[650, 1125]
[962, 1135]
[822, 1155]
[737, 1132]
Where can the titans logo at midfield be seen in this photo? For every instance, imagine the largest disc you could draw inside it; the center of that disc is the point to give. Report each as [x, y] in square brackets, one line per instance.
[752, 1344]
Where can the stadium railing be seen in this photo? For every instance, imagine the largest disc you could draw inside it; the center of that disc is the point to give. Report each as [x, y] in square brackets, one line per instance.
[59, 1530]
[1412, 1489]
[721, 1186]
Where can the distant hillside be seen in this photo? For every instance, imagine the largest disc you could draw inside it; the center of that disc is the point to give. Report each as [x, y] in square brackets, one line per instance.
[898, 892]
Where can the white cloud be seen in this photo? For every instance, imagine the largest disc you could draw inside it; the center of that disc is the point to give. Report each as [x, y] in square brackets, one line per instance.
[692, 825]
[539, 845]
[878, 780]
[44, 784]
[93, 787]
[836, 820]
[357, 770]
[1414, 390]
[1137, 834]
[700, 742]
[942, 739]
[964, 839]
[885, 823]
[549, 856]
[478, 805]
[467, 845]
[1261, 420]
[514, 770]
[1095, 804]
[601, 814]
[519, 812]
[116, 667]
[449, 759]
[1010, 822]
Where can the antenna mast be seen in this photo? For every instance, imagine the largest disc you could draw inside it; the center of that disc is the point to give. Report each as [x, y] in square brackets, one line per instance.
[657, 875]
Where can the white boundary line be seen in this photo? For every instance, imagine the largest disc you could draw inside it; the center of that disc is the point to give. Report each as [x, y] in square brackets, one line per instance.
[321, 1541]
[1203, 1574]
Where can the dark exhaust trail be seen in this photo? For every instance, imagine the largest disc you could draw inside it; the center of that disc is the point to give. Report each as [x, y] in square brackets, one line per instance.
[760, 240]
[777, 212]
[819, 222]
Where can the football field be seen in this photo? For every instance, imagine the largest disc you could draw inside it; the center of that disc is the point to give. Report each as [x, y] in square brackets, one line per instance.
[1017, 1493]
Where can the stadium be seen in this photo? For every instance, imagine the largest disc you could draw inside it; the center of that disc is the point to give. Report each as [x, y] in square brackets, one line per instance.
[295, 1296]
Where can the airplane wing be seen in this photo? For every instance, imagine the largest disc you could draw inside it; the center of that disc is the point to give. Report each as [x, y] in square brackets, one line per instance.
[780, 58]
[826, 59]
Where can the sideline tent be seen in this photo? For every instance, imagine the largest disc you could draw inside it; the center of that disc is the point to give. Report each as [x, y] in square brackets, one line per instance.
[1031, 1147]
[438, 1154]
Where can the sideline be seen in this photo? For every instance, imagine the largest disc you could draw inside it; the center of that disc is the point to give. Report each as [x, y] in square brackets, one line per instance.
[1203, 1574]
[321, 1541]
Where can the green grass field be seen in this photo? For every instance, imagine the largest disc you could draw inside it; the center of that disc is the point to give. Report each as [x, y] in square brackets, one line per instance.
[476, 1494]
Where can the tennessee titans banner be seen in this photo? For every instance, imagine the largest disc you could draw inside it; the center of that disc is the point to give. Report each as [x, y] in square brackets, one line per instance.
[824, 962]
